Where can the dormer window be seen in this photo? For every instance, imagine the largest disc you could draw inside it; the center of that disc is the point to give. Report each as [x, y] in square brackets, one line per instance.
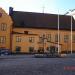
[3, 27]
[26, 32]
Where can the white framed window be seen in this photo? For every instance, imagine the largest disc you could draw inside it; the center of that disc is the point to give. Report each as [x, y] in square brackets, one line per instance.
[18, 38]
[56, 38]
[2, 39]
[31, 39]
[73, 38]
[40, 39]
[66, 38]
[48, 37]
[3, 26]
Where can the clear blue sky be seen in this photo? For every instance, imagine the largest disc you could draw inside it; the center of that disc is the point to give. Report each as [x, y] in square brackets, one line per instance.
[51, 6]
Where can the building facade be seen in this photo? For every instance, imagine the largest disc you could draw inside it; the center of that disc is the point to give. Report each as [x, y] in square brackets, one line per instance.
[5, 30]
[30, 32]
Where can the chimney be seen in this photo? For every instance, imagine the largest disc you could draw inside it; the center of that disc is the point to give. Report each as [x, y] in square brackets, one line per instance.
[10, 11]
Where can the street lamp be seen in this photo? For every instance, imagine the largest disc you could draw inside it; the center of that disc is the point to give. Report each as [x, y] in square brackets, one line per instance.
[43, 40]
[58, 32]
[71, 34]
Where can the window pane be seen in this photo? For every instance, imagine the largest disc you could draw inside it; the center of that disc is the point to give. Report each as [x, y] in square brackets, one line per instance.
[56, 38]
[18, 39]
[3, 27]
[48, 37]
[18, 49]
[40, 39]
[31, 49]
[2, 39]
[31, 39]
[66, 38]
[73, 38]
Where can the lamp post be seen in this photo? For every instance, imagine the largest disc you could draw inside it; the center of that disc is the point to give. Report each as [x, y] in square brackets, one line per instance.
[71, 34]
[58, 32]
[43, 40]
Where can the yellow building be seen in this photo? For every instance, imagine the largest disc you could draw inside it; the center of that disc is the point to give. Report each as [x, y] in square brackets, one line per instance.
[5, 30]
[30, 32]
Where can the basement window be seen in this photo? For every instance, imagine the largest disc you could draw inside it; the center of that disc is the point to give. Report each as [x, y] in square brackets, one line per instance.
[18, 49]
[31, 49]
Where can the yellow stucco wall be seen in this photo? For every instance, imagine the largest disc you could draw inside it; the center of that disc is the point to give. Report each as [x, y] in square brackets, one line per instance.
[24, 44]
[63, 46]
[5, 18]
